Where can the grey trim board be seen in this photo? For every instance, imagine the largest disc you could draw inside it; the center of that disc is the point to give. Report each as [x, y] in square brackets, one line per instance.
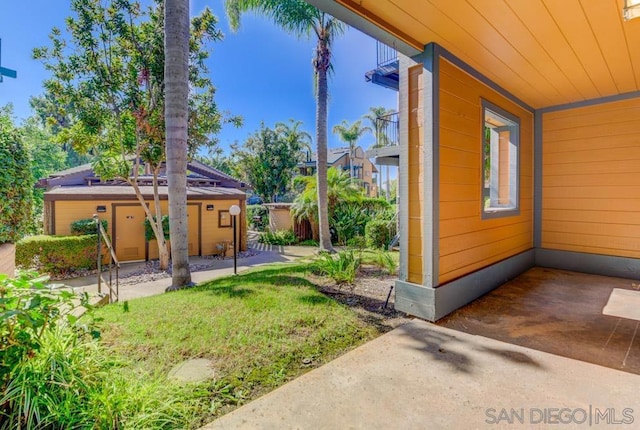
[429, 203]
[434, 303]
[353, 19]
[537, 178]
[435, 179]
[596, 264]
[591, 102]
[482, 78]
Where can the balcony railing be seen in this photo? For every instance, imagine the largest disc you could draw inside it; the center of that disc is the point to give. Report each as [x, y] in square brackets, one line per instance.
[386, 55]
[388, 128]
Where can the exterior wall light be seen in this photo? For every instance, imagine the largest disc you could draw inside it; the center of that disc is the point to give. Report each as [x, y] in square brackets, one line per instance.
[631, 9]
[101, 209]
[209, 207]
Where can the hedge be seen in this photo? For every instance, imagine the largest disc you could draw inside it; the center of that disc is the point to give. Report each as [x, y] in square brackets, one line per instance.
[15, 183]
[57, 255]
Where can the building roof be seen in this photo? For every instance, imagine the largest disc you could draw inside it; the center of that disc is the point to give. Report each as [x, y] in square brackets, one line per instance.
[547, 53]
[119, 192]
[200, 175]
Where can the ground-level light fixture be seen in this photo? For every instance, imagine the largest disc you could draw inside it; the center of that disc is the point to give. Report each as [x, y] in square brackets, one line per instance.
[234, 211]
[631, 9]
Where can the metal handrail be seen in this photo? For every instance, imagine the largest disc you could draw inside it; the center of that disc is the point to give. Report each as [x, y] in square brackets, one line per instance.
[113, 260]
[388, 127]
[385, 54]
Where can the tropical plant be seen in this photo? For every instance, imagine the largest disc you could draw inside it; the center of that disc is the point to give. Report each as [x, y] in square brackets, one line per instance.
[350, 134]
[176, 115]
[303, 20]
[15, 181]
[305, 205]
[385, 260]
[341, 267]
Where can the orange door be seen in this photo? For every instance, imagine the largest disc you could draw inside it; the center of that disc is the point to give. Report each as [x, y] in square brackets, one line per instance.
[193, 215]
[129, 232]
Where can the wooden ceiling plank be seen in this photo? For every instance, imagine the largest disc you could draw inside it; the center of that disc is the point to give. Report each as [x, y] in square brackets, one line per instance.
[476, 28]
[632, 34]
[606, 21]
[473, 53]
[502, 18]
[537, 19]
[576, 30]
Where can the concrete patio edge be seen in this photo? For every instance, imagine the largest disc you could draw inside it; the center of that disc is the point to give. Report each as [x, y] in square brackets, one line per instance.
[424, 376]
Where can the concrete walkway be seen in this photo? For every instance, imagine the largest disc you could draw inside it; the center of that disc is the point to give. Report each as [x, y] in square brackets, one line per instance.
[219, 268]
[424, 376]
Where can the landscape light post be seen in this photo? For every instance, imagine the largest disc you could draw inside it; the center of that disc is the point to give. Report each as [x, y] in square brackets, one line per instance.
[234, 210]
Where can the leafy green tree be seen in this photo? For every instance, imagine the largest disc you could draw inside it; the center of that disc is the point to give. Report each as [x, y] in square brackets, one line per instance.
[110, 77]
[303, 20]
[225, 163]
[53, 117]
[339, 187]
[47, 157]
[16, 181]
[269, 158]
[350, 134]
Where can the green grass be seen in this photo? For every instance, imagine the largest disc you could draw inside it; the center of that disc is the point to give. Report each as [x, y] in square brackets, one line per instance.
[261, 329]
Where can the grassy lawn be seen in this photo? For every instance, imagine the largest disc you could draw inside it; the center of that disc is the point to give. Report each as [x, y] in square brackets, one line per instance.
[260, 329]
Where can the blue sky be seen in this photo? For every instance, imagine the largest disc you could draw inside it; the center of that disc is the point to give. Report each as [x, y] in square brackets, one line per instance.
[260, 72]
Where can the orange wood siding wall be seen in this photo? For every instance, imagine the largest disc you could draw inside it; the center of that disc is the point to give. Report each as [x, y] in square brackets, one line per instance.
[468, 242]
[416, 173]
[591, 179]
[68, 211]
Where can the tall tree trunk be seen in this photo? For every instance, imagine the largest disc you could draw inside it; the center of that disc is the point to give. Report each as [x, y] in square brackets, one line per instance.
[322, 63]
[176, 77]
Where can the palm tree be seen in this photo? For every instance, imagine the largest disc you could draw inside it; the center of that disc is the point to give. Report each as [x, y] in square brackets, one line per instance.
[381, 138]
[350, 134]
[305, 205]
[301, 19]
[176, 78]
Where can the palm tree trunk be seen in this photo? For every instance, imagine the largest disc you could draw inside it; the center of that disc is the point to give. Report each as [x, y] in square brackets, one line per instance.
[321, 142]
[176, 74]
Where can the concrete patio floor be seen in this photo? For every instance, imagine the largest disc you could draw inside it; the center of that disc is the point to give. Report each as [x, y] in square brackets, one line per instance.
[421, 375]
[561, 313]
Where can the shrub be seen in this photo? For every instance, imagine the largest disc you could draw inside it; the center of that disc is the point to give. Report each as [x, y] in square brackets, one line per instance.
[341, 267]
[29, 309]
[15, 183]
[377, 233]
[280, 237]
[148, 231]
[257, 217]
[350, 217]
[87, 226]
[356, 242]
[57, 254]
[54, 373]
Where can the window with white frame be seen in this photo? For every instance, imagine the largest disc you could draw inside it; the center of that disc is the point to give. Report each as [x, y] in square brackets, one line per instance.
[501, 162]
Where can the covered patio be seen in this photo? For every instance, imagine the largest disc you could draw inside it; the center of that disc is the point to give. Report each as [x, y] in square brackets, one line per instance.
[575, 315]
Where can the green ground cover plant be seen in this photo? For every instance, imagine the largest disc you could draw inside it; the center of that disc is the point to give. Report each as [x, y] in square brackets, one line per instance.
[260, 328]
[280, 237]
